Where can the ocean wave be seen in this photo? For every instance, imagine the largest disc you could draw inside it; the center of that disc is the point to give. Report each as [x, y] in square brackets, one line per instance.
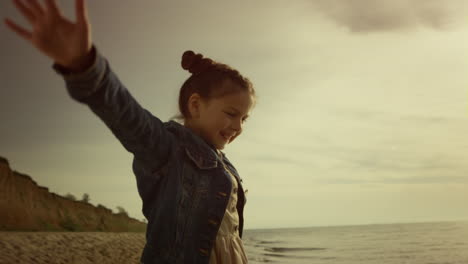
[288, 249]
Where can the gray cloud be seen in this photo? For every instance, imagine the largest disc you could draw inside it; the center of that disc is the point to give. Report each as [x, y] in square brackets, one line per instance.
[422, 179]
[362, 16]
[383, 117]
[369, 164]
[277, 159]
[400, 162]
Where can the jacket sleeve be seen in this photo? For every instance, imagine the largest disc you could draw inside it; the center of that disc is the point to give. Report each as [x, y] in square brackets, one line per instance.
[136, 128]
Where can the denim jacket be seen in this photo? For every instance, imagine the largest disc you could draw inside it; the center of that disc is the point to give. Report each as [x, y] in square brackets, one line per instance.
[180, 177]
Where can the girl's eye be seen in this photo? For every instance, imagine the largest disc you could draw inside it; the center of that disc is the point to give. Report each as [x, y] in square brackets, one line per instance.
[233, 115]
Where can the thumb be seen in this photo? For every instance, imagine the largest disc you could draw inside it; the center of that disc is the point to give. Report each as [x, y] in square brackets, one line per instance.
[81, 12]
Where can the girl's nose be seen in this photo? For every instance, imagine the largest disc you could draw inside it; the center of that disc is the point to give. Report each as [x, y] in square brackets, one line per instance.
[237, 126]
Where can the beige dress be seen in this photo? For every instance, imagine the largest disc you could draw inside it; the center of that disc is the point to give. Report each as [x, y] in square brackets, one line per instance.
[228, 248]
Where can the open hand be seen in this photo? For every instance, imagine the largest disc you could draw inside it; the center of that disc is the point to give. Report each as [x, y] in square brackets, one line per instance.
[67, 43]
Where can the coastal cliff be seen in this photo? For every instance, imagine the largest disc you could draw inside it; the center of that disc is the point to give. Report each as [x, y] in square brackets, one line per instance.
[26, 206]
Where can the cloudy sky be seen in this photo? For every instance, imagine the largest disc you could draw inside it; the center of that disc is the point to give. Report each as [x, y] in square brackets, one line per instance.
[361, 115]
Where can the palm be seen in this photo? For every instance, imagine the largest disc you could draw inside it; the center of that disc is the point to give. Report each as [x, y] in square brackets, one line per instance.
[61, 40]
[53, 34]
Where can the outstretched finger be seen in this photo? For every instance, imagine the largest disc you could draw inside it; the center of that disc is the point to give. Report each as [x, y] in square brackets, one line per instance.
[52, 7]
[81, 13]
[36, 8]
[28, 13]
[19, 30]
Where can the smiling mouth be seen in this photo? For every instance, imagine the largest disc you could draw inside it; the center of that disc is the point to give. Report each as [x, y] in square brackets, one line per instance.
[227, 138]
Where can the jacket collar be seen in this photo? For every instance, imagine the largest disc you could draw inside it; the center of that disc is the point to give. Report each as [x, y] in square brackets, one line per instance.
[202, 153]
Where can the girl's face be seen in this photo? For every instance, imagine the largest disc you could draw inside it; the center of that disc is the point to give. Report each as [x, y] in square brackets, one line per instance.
[219, 120]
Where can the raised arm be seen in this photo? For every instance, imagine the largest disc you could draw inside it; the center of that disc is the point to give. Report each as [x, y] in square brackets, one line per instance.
[136, 128]
[90, 80]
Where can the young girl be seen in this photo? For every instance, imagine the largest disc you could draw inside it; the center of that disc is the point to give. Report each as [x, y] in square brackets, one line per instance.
[192, 195]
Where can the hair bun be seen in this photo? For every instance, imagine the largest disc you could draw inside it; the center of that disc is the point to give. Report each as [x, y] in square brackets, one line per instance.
[195, 63]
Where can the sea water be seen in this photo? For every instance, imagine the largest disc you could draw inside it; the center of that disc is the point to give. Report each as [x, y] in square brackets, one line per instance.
[415, 243]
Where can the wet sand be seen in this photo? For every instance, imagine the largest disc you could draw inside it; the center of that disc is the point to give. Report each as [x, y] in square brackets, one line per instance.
[70, 247]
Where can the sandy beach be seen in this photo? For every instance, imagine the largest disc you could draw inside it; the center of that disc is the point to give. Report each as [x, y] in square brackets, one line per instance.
[70, 247]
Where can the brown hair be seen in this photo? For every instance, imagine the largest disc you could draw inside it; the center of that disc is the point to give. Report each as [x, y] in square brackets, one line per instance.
[206, 80]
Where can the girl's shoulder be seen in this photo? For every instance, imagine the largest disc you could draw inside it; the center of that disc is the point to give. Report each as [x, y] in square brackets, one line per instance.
[193, 145]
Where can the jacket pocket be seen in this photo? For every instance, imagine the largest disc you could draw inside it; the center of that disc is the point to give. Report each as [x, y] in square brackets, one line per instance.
[200, 161]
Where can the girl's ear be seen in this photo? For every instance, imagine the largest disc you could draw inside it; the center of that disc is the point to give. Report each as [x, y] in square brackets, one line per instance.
[194, 105]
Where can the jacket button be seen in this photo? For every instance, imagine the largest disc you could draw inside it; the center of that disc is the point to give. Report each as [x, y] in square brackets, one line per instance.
[235, 190]
[235, 228]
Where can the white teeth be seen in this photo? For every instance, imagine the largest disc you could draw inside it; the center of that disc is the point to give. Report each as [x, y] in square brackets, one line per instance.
[225, 137]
